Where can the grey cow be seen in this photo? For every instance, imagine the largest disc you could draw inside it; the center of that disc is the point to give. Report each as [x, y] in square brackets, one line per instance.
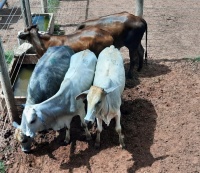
[45, 81]
[58, 111]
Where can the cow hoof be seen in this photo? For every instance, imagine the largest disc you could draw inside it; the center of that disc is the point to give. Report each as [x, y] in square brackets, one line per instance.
[122, 146]
[139, 69]
[66, 142]
[129, 76]
[97, 145]
[27, 151]
[88, 137]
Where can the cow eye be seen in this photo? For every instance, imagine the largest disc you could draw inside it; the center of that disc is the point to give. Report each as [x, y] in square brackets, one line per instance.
[33, 121]
[99, 102]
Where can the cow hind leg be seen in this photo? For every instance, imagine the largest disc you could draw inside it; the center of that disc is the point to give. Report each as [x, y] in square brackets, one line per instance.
[118, 129]
[133, 59]
[99, 130]
[140, 56]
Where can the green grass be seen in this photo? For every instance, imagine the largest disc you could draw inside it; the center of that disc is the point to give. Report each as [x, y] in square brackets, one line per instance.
[197, 59]
[194, 59]
[57, 30]
[56, 27]
[9, 56]
[52, 6]
[2, 167]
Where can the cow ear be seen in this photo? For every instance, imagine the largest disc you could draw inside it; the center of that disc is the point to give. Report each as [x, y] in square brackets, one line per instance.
[23, 35]
[45, 36]
[34, 26]
[83, 95]
[15, 124]
[109, 90]
[41, 115]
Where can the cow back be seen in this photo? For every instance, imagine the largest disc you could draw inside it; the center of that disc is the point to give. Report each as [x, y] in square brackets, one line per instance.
[82, 68]
[48, 74]
[110, 68]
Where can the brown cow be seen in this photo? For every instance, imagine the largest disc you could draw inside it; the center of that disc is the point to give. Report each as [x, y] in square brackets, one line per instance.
[127, 30]
[92, 38]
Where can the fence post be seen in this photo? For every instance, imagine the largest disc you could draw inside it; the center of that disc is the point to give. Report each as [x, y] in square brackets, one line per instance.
[26, 12]
[44, 6]
[7, 89]
[139, 8]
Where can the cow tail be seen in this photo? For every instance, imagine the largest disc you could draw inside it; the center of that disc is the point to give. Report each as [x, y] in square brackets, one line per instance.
[146, 46]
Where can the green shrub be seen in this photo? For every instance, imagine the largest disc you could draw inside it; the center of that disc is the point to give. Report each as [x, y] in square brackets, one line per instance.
[52, 6]
[2, 167]
[9, 55]
[197, 59]
[57, 30]
[56, 27]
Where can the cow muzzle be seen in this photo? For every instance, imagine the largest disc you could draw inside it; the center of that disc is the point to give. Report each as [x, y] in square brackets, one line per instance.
[89, 117]
[26, 145]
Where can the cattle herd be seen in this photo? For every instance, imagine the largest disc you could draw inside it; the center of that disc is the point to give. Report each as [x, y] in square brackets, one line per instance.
[86, 64]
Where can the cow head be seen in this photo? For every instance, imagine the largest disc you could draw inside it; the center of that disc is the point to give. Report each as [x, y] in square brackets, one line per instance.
[30, 124]
[24, 140]
[33, 121]
[96, 99]
[31, 31]
[32, 35]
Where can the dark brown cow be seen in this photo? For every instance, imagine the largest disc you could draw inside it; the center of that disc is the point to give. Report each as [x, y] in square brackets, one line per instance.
[92, 38]
[127, 30]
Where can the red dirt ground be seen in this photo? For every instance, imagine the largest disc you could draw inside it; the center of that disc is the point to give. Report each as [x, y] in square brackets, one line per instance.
[160, 109]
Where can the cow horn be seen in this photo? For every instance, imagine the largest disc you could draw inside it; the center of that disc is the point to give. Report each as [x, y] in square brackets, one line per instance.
[34, 26]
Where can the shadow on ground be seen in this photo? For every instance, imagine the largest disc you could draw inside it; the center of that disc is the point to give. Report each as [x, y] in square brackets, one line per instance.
[152, 69]
[138, 124]
[139, 121]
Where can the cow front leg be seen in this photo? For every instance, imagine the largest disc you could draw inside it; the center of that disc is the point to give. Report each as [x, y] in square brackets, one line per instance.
[67, 135]
[99, 130]
[119, 129]
[84, 125]
[87, 133]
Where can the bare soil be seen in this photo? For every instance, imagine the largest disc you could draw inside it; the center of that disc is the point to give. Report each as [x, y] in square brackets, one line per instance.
[160, 109]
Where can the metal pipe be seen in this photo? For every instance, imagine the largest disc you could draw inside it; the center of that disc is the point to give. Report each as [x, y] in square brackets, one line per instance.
[44, 6]
[7, 89]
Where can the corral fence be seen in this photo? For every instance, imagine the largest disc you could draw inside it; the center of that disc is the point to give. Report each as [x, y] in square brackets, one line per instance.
[173, 33]
[11, 62]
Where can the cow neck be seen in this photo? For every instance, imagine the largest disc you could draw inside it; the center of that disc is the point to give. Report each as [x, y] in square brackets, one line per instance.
[108, 108]
[42, 44]
[40, 117]
[39, 49]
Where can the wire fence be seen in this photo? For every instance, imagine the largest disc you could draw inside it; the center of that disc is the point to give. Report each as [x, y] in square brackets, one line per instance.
[173, 31]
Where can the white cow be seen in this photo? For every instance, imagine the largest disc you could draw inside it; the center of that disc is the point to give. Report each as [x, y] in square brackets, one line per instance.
[58, 111]
[104, 97]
